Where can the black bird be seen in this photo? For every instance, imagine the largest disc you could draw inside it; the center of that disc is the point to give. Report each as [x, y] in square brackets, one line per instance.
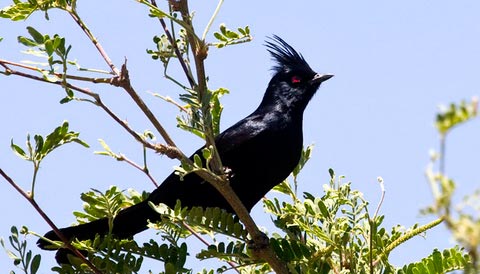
[261, 150]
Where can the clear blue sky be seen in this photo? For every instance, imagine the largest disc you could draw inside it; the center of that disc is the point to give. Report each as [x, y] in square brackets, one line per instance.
[394, 63]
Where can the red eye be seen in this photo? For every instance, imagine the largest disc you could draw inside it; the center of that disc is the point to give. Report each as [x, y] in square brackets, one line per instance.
[296, 79]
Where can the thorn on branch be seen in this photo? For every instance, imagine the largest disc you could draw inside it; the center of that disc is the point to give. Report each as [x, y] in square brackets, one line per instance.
[123, 80]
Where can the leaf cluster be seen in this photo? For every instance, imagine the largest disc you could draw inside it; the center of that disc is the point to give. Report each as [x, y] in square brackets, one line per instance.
[228, 37]
[99, 205]
[126, 256]
[455, 114]
[329, 234]
[194, 121]
[462, 220]
[439, 262]
[43, 146]
[164, 49]
[22, 10]
[21, 256]
[51, 46]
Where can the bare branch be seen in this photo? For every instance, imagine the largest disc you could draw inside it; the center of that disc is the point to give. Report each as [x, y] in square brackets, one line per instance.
[123, 81]
[3, 63]
[170, 151]
[137, 166]
[95, 42]
[175, 48]
[261, 246]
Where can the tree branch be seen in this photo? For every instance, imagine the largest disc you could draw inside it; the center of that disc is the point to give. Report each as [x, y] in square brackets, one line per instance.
[199, 48]
[406, 237]
[170, 151]
[261, 246]
[175, 48]
[137, 166]
[123, 80]
[65, 241]
[92, 38]
[4, 64]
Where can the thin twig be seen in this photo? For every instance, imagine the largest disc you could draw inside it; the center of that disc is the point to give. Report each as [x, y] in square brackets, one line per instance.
[443, 152]
[65, 241]
[406, 237]
[194, 233]
[171, 101]
[137, 166]
[10, 71]
[210, 22]
[200, 49]
[124, 81]
[170, 151]
[382, 187]
[56, 74]
[95, 42]
[262, 249]
[175, 48]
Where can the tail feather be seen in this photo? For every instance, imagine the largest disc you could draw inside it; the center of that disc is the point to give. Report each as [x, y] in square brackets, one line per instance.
[127, 223]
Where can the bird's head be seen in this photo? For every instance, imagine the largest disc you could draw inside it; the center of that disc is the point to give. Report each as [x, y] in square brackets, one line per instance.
[294, 83]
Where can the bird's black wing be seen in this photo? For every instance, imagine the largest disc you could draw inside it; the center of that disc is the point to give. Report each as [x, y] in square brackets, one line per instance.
[232, 145]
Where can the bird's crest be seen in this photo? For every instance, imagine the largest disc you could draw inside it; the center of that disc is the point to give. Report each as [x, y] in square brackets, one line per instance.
[286, 57]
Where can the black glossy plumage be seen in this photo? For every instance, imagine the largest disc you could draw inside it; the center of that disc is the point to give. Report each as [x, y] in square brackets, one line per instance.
[261, 150]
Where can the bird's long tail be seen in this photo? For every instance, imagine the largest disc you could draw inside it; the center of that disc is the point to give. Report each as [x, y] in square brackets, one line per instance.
[127, 223]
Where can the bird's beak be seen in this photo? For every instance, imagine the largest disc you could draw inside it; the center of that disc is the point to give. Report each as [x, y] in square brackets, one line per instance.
[319, 78]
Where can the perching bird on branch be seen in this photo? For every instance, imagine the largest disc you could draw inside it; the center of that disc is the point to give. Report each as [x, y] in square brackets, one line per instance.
[260, 151]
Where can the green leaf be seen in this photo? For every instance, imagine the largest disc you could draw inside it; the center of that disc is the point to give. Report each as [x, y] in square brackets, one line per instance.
[323, 209]
[228, 37]
[49, 47]
[332, 173]
[26, 41]
[197, 161]
[37, 36]
[439, 262]
[39, 143]
[35, 265]
[59, 45]
[107, 149]
[18, 150]
[65, 100]
[223, 29]
[206, 153]
[220, 36]
[456, 114]
[232, 35]
[18, 10]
